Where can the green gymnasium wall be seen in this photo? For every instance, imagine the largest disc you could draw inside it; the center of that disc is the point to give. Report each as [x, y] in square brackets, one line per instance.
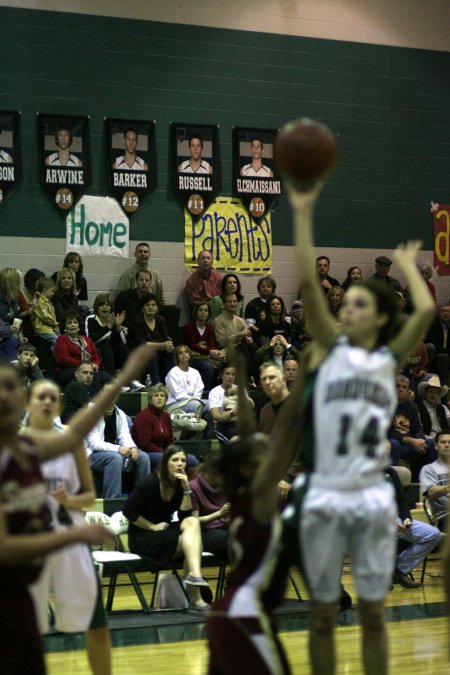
[390, 107]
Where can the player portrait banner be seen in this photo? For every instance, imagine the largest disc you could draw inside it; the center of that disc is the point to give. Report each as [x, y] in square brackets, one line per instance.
[256, 180]
[441, 221]
[98, 226]
[131, 152]
[196, 165]
[65, 158]
[10, 154]
[238, 242]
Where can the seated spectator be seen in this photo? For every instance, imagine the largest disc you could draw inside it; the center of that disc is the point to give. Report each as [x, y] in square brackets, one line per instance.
[426, 270]
[421, 538]
[43, 318]
[255, 310]
[10, 282]
[434, 416]
[222, 403]
[434, 480]
[153, 532]
[382, 267]
[277, 350]
[27, 364]
[417, 366]
[27, 297]
[73, 262]
[290, 369]
[204, 283]
[129, 302]
[65, 298]
[229, 327]
[438, 336]
[9, 342]
[322, 269]
[210, 507]
[275, 322]
[127, 282]
[111, 451]
[107, 332]
[184, 384]
[71, 349]
[334, 298]
[152, 427]
[198, 335]
[406, 435]
[80, 391]
[354, 276]
[274, 387]
[150, 328]
[230, 284]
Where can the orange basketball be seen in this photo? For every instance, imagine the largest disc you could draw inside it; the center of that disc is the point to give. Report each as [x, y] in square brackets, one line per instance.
[305, 151]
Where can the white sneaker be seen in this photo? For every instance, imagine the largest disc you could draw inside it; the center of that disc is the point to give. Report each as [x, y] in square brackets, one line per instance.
[124, 390]
[137, 386]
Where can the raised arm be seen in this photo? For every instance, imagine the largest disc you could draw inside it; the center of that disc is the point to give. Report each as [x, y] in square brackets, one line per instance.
[54, 443]
[323, 325]
[423, 306]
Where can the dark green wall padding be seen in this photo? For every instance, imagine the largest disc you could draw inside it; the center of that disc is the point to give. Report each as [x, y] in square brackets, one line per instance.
[389, 106]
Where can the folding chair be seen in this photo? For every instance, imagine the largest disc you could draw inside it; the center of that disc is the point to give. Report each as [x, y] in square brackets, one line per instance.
[117, 561]
[428, 509]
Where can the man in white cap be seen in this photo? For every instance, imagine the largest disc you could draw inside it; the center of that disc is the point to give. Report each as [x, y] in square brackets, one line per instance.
[433, 415]
[382, 266]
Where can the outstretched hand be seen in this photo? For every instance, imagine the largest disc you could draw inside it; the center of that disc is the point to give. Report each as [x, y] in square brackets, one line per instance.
[406, 254]
[135, 364]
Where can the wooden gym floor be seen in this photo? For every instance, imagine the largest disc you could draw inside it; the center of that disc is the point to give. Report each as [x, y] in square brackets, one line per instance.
[417, 626]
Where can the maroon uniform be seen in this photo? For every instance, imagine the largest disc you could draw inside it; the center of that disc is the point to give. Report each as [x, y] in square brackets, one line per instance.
[23, 498]
[241, 629]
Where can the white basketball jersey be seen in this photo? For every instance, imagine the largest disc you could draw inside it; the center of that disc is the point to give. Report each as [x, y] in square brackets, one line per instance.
[62, 471]
[186, 167]
[263, 172]
[138, 164]
[354, 401]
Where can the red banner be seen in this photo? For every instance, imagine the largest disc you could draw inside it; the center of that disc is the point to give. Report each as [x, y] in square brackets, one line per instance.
[441, 220]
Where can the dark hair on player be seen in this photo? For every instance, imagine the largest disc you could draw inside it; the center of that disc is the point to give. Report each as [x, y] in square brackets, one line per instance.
[442, 432]
[130, 129]
[385, 305]
[257, 138]
[195, 134]
[62, 128]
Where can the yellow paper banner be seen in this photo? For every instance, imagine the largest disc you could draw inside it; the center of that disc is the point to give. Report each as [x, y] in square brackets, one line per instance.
[238, 242]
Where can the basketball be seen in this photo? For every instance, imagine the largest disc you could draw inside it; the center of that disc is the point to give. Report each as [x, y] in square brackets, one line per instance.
[305, 151]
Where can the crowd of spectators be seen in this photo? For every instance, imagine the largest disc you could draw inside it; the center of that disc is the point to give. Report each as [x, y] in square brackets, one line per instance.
[47, 329]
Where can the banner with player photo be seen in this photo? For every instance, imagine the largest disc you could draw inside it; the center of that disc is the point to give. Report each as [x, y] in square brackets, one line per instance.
[196, 165]
[65, 158]
[237, 241]
[256, 181]
[10, 153]
[131, 152]
[441, 222]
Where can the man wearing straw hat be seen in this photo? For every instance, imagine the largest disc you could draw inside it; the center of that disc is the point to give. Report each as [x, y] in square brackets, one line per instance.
[433, 415]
